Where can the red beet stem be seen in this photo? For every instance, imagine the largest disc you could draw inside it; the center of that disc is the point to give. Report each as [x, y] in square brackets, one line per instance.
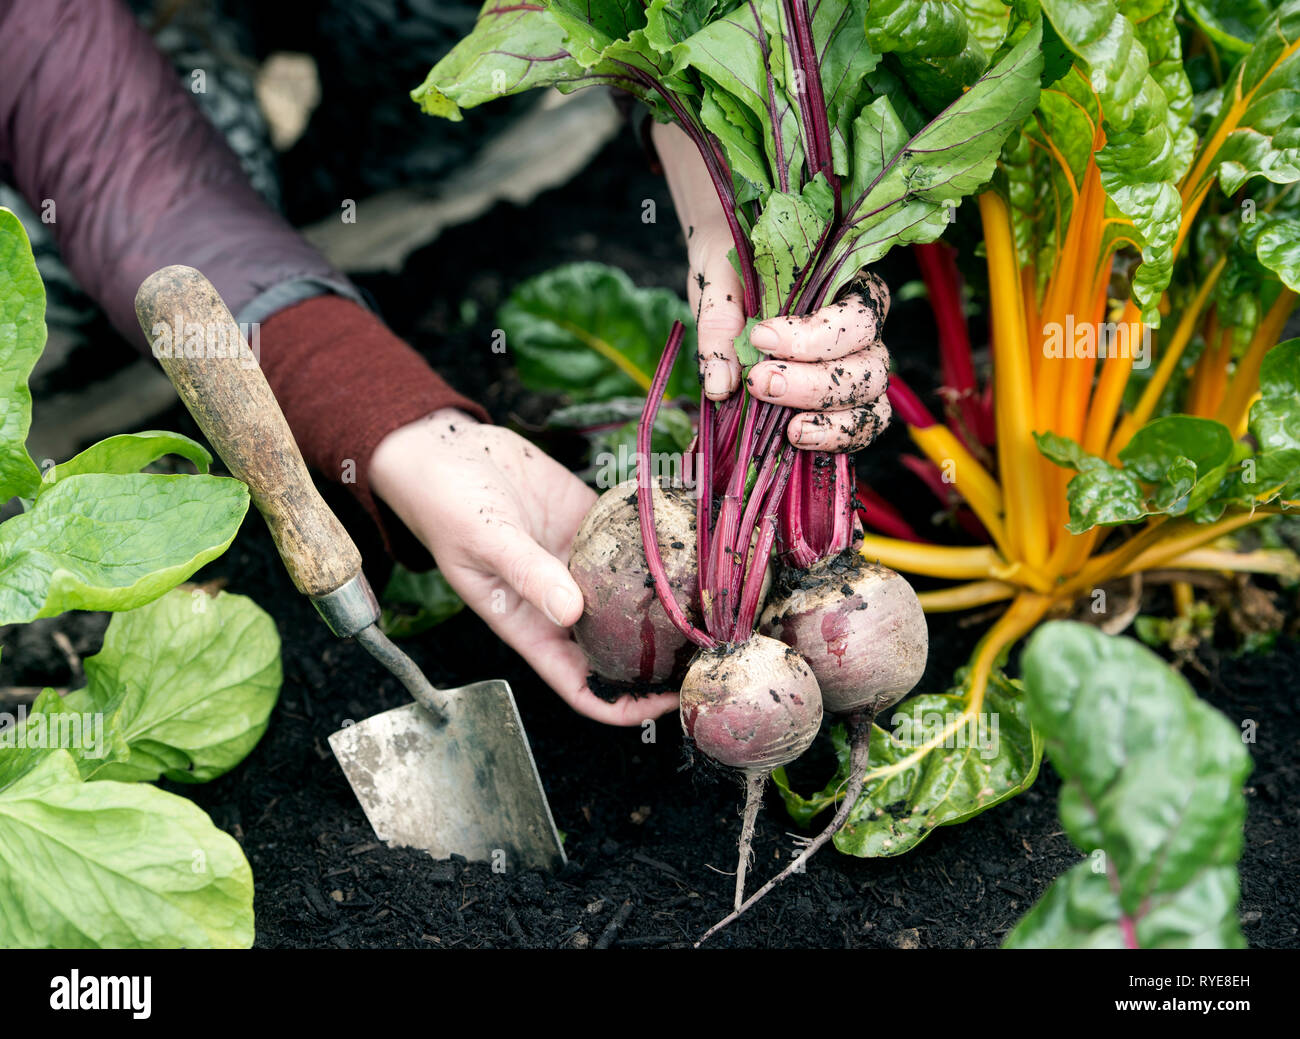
[645, 492]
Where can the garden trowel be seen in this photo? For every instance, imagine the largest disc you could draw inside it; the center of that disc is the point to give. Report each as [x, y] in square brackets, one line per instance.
[451, 773]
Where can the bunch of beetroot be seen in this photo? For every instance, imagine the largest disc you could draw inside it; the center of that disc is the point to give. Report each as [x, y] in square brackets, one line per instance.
[831, 132]
[667, 572]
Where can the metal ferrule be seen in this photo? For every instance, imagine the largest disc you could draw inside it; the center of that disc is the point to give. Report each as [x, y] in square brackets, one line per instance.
[350, 608]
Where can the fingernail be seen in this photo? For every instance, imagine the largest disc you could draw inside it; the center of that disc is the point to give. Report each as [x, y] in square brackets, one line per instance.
[717, 379]
[776, 384]
[804, 434]
[762, 337]
[559, 603]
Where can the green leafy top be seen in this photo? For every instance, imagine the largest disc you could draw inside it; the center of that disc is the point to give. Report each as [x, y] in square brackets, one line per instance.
[821, 157]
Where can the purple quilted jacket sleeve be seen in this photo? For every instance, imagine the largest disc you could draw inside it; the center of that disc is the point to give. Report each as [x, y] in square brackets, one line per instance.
[93, 118]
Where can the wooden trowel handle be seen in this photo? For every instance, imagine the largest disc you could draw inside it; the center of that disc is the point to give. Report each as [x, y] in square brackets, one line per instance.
[195, 338]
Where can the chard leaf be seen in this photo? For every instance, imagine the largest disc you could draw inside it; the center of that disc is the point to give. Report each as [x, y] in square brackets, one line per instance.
[928, 27]
[1183, 459]
[929, 43]
[987, 22]
[1275, 424]
[785, 237]
[1257, 129]
[115, 865]
[1278, 249]
[586, 331]
[95, 542]
[514, 47]
[1248, 284]
[981, 765]
[1105, 496]
[951, 157]
[1233, 24]
[415, 602]
[1102, 494]
[1152, 794]
[1139, 162]
[22, 338]
[1184, 456]
[128, 453]
[188, 682]
[1156, 28]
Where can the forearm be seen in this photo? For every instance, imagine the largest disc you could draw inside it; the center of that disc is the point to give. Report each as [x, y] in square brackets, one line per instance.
[689, 182]
[346, 385]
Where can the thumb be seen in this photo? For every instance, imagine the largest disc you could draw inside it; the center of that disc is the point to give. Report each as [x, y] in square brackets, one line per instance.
[539, 578]
[715, 293]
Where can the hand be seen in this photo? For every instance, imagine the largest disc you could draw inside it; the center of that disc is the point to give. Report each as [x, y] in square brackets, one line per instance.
[498, 515]
[829, 366]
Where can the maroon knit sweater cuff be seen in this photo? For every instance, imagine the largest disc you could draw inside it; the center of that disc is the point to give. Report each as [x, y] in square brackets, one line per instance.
[344, 382]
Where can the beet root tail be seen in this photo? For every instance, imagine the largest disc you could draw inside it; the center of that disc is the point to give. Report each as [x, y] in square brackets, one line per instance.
[859, 755]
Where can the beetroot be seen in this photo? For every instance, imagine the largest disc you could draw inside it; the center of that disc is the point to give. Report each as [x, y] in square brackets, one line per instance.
[624, 630]
[860, 627]
[755, 706]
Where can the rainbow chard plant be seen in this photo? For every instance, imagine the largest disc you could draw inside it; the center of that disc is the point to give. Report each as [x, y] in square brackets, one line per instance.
[1141, 253]
[822, 161]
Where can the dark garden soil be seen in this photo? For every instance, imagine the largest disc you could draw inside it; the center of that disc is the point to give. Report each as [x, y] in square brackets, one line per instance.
[650, 843]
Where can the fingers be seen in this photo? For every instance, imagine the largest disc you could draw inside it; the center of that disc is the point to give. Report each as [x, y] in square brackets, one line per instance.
[852, 381]
[557, 661]
[848, 430]
[716, 296]
[538, 577]
[836, 331]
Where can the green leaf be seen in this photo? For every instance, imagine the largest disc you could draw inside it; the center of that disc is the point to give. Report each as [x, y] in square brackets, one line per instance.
[22, 338]
[743, 53]
[586, 331]
[97, 542]
[415, 602]
[88, 734]
[846, 60]
[1278, 249]
[878, 136]
[1066, 452]
[1105, 496]
[1140, 161]
[1233, 24]
[1101, 494]
[1183, 459]
[1275, 423]
[129, 453]
[189, 682]
[514, 47]
[981, 765]
[785, 237]
[1257, 129]
[1186, 457]
[987, 21]
[951, 157]
[930, 44]
[1152, 793]
[115, 865]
